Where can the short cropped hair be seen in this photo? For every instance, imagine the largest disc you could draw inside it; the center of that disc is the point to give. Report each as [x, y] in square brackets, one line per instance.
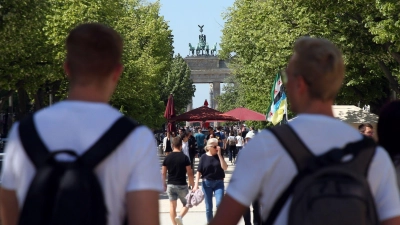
[93, 52]
[362, 127]
[321, 65]
[176, 142]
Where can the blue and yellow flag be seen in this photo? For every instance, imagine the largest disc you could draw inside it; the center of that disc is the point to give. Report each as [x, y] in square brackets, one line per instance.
[278, 108]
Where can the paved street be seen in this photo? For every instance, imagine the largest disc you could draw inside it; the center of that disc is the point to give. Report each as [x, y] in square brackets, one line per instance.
[197, 214]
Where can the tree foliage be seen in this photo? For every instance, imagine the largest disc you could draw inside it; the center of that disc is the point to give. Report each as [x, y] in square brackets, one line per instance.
[259, 35]
[231, 97]
[35, 31]
[178, 82]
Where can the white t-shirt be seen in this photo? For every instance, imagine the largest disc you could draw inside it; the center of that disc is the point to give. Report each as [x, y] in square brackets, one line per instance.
[77, 125]
[239, 141]
[231, 138]
[267, 169]
[185, 148]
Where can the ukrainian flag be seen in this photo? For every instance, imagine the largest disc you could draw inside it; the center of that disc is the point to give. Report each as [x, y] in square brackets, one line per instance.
[278, 108]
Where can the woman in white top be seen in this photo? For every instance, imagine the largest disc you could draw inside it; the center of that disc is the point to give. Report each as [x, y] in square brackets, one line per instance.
[240, 142]
[185, 143]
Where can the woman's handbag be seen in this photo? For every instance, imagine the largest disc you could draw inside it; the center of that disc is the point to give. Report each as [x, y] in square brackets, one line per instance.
[194, 198]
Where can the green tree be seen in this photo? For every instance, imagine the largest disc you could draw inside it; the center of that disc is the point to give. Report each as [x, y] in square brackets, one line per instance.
[35, 32]
[147, 58]
[231, 97]
[178, 82]
[260, 35]
[26, 60]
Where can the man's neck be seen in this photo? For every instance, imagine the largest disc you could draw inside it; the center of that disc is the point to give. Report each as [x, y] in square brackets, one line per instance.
[176, 150]
[88, 93]
[318, 107]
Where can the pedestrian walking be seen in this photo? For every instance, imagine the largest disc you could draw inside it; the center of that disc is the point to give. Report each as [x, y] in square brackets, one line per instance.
[211, 169]
[177, 165]
[312, 79]
[167, 144]
[231, 147]
[81, 161]
[240, 142]
[200, 140]
[185, 143]
[192, 148]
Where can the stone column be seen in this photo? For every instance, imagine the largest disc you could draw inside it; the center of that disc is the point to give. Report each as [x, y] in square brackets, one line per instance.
[211, 103]
[188, 108]
[216, 92]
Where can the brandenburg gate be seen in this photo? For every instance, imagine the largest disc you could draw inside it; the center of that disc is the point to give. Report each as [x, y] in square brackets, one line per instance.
[206, 67]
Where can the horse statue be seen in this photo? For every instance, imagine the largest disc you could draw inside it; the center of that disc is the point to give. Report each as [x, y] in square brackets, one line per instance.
[214, 49]
[198, 49]
[191, 49]
[207, 49]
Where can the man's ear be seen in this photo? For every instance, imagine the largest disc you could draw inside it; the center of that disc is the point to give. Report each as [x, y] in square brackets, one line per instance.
[302, 86]
[66, 70]
[117, 72]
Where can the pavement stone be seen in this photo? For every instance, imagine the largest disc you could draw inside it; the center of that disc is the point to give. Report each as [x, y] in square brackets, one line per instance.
[197, 214]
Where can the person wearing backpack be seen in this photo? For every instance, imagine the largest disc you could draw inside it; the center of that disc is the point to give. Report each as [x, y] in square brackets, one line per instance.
[231, 147]
[80, 161]
[316, 169]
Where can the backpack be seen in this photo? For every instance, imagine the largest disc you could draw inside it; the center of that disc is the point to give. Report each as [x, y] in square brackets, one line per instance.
[232, 141]
[222, 134]
[67, 193]
[329, 189]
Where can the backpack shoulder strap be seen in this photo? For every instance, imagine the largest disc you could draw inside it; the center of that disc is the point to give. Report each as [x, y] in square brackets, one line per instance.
[32, 143]
[108, 142]
[292, 143]
[363, 152]
[300, 154]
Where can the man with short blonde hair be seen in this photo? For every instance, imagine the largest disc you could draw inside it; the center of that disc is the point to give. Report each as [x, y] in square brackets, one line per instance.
[312, 79]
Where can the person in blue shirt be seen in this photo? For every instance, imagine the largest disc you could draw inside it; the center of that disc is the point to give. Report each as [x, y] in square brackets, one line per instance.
[221, 139]
[200, 140]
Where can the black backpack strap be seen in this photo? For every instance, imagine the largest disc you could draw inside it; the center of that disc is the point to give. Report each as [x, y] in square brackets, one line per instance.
[363, 152]
[292, 143]
[32, 143]
[108, 142]
[300, 154]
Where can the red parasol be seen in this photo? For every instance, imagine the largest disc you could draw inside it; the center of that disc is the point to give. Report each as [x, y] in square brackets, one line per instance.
[204, 113]
[206, 103]
[170, 113]
[245, 114]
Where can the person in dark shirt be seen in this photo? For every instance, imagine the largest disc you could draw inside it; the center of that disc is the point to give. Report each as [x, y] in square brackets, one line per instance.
[211, 169]
[192, 148]
[177, 165]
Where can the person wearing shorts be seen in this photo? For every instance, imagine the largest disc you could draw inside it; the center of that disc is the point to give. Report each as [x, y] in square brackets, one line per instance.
[177, 165]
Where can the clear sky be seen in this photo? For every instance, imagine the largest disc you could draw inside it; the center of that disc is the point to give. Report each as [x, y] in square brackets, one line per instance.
[183, 16]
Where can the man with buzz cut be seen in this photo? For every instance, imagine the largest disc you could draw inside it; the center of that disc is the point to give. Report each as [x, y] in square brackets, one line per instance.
[312, 79]
[177, 165]
[128, 177]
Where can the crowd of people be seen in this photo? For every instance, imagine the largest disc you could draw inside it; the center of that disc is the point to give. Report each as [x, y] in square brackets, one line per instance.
[53, 156]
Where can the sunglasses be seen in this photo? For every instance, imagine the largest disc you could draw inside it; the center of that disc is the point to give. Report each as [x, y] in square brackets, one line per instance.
[214, 146]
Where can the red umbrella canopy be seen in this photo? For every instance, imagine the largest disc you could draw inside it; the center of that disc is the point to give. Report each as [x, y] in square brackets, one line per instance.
[244, 114]
[204, 113]
[170, 113]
